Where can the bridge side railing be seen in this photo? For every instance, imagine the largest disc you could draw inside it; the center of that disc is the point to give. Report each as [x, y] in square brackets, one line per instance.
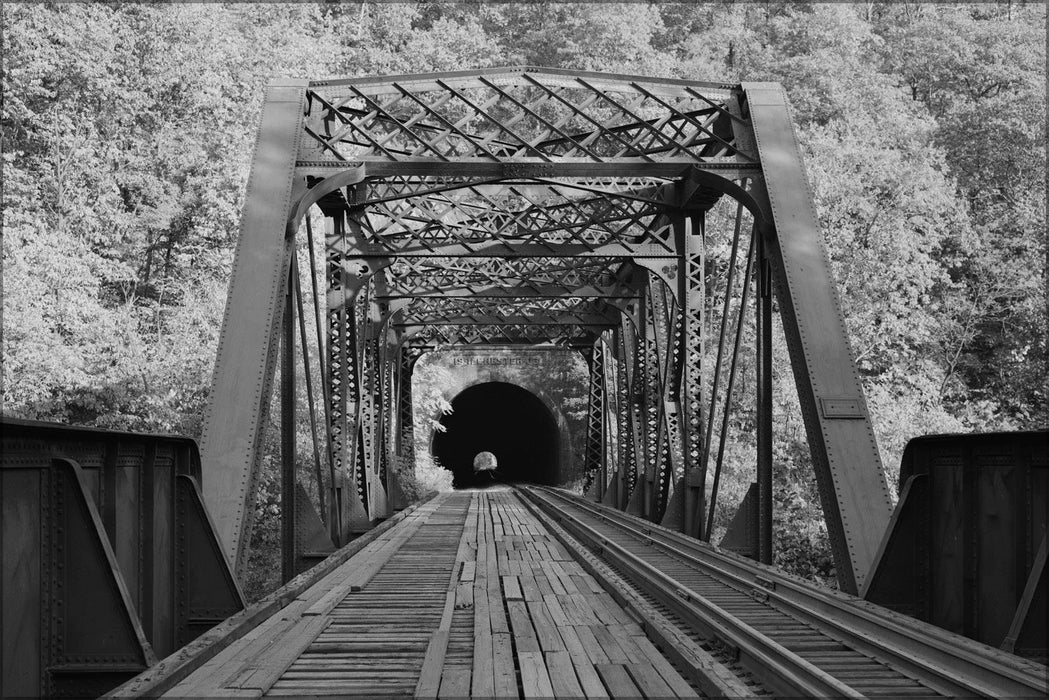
[966, 547]
[110, 559]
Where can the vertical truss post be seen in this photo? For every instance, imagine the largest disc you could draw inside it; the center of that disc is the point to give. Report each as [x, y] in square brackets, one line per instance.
[637, 356]
[693, 307]
[686, 385]
[369, 411]
[663, 401]
[651, 405]
[609, 414]
[343, 363]
[335, 360]
[359, 445]
[289, 556]
[661, 404]
[594, 462]
[391, 415]
[763, 392]
[627, 451]
[619, 489]
[404, 437]
[384, 419]
[307, 374]
[358, 359]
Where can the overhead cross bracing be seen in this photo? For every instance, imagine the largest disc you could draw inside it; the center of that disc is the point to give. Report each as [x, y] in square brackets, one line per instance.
[622, 216]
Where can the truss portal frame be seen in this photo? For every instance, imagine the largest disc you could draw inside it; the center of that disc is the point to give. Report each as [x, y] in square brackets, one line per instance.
[534, 206]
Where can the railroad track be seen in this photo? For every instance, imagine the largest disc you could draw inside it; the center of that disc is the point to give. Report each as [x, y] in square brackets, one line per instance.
[795, 638]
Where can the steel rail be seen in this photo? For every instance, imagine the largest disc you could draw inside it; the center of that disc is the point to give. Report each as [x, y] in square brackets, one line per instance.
[777, 667]
[945, 662]
[950, 658]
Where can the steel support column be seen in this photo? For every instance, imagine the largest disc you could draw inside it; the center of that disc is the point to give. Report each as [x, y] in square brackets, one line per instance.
[763, 391]
[692, 298]
[289, 556]
[344, 374]
[637, 362]
[404, 436]
[610, 417]
[626, 463]
[594, 466]
[663, 388]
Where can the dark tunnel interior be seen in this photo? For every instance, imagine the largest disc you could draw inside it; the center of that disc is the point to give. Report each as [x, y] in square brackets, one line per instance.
[508, 421]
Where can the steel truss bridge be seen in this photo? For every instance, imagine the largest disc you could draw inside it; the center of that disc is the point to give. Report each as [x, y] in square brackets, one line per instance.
[659, 228]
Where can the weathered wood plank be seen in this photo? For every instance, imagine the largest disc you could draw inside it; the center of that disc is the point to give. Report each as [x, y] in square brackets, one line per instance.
[512, 588]
[524, 634]
[620, 612]
[609, 645]
[553, 608]
[268, 666]
[483, 680]
[529, 587]
[572, 644]
[482, 611]
[535, 680]
[430, 677]
[214, 673]
[496, 613]
[455, 683]
[504, 675]
[551, 579]
[562, 675]
[618, 681]
[372, 691]
[649, 682]
[667, 672]
[464, 595]
[545, 629]
[591, 647]
[588, 677]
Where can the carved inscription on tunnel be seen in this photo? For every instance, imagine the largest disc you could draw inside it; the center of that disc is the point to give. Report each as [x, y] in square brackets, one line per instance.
[497, 361]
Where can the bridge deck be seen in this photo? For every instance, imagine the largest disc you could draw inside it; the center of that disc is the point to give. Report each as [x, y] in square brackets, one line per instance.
[533, 592]
[470, 595]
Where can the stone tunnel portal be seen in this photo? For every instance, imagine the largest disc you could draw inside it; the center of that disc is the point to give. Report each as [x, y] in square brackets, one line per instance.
[508, 421]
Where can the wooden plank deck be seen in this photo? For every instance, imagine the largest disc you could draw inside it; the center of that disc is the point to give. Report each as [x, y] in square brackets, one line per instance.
[470, 596]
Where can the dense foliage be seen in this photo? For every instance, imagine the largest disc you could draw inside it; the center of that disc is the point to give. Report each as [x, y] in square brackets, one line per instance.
[127, 133]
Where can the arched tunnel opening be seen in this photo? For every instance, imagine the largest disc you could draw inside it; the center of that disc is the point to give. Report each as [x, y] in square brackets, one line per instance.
[510, 422]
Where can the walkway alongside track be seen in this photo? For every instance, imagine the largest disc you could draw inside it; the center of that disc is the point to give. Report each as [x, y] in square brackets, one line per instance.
[534, 593]
[469, 596]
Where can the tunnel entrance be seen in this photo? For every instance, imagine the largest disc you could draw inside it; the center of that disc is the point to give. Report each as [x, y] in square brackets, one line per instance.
[508, 421]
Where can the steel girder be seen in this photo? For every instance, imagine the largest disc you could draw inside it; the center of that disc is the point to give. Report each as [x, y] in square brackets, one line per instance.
[529, 205]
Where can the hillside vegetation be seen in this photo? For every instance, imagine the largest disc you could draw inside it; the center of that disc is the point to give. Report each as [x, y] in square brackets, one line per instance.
[127, 136]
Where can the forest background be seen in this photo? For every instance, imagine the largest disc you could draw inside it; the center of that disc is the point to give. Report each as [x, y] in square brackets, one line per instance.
[126, 142]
